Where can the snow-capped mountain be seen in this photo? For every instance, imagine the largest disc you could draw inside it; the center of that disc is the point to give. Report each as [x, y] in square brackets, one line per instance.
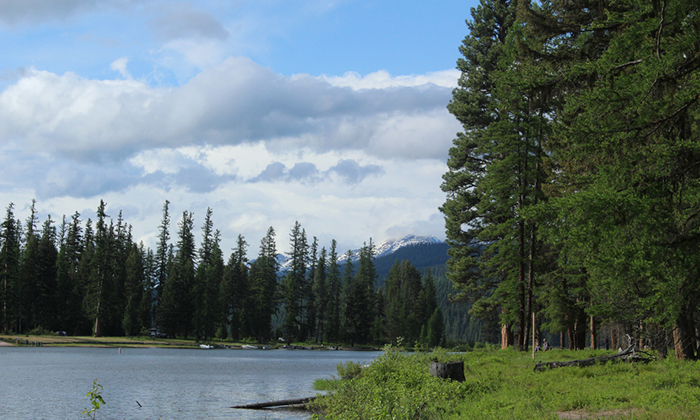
[390, 246]
[385, 248]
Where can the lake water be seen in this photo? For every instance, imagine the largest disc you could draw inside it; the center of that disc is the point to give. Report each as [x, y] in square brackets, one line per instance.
[51, 382]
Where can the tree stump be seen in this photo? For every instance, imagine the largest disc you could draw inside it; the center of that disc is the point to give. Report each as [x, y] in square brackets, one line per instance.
[449, 370]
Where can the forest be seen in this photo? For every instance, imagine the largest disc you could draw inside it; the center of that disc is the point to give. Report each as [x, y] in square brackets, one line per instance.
[91, 278]
[573, 192]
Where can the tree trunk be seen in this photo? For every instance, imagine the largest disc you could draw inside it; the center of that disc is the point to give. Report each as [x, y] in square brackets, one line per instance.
[450, 370]
[561, 340]
[506, 336]
[594, 334]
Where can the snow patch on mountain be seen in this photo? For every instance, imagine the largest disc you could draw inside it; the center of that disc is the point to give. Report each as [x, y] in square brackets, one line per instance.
[385, 248]
[390, 246]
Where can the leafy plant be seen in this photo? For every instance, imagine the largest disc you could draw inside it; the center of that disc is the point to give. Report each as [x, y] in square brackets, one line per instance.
[95, 396]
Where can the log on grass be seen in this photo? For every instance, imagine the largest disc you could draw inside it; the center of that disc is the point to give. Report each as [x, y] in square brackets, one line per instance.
[279, 403]
[628, 354]
[449, 370]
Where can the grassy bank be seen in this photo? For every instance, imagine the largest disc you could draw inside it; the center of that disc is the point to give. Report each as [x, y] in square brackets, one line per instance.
[501, 384]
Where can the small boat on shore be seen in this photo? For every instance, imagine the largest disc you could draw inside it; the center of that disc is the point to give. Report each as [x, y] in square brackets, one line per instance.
[206, 346]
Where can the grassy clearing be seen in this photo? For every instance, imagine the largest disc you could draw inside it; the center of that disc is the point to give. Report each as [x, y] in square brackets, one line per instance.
[501, 384]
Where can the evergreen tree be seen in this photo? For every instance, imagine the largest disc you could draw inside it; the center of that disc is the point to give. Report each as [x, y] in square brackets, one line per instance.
[334, 306]
[263, 281]
[236, 292]
[134, 290]
[436, 328]
[294, 284]
[310, 314]
[320, 292]
[626, 198]
[495, 172]
[99, 275]
[69, 287]
[45, 294]
[163, 258]
[9, 271]
[177, 306]
[147, 300]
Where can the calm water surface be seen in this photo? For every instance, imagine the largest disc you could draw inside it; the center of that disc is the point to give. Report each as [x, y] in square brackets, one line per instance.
[51, 383]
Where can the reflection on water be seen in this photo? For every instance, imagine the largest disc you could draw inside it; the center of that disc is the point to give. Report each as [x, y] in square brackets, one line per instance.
[51, 383]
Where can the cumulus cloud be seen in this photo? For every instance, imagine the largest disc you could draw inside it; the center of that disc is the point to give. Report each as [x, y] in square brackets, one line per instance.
[233, 103]
[352, 172]
[195, 178]
[348, 171]
[434, 225]
[382, 80]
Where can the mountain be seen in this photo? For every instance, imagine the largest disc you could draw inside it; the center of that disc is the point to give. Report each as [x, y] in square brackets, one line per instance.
[390, 250]
[391, 246]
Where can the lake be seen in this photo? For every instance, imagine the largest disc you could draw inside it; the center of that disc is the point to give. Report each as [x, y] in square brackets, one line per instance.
[51, 382]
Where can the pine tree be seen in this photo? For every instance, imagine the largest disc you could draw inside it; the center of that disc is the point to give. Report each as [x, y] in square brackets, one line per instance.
[627, 197]
[45, 294]
[208, 278]
[162, 260]
[320, 292]
[177, 306]
[99, 275]
[134, 290]
[236, 292]
[263, 281]
[294, 285]
[9, 271]
[334, 306]
[495, 172]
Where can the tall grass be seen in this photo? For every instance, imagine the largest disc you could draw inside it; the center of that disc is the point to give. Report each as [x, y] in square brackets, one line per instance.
[501, 384]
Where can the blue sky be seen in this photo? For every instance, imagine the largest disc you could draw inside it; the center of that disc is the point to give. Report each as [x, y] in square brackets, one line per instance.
[329, 112]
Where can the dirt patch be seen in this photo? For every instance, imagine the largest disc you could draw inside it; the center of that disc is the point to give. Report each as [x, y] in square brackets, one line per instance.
[5, 344]
[582, 414]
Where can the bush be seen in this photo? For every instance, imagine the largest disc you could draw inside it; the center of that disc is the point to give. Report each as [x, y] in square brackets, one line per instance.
[502, 384]
[41, 331]
[350, 370]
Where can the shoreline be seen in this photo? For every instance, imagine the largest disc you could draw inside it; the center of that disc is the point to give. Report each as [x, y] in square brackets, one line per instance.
[144, 342]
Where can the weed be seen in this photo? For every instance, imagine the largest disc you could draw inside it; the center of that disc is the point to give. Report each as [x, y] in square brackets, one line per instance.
[96, 400]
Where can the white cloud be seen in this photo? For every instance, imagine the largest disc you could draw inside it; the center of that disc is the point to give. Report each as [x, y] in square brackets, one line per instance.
[382, 80]
[120, 65]
[233, 103]
[347, 163]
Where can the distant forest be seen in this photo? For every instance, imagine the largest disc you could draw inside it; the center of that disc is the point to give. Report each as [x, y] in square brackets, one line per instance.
[89, 277]
[573, 190]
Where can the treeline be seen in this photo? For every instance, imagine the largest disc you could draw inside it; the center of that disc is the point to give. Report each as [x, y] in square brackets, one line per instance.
[91, 278]
[573, 192]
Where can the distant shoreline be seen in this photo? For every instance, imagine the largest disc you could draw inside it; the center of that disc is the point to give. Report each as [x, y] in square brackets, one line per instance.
[147, 342]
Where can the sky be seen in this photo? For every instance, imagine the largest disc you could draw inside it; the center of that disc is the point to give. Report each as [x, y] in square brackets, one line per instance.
[331, 113]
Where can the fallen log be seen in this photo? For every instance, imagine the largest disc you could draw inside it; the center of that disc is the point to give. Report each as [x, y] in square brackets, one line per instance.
[630, 355]
[279, 403]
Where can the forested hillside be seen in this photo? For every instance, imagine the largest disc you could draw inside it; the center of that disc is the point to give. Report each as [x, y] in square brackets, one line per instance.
[459, 325]
[579, 169]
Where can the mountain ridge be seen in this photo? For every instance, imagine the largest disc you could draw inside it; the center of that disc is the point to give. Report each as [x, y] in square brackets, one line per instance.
[382, 250]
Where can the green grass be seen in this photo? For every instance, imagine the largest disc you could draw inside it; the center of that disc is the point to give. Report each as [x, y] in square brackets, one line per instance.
[501, 384]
